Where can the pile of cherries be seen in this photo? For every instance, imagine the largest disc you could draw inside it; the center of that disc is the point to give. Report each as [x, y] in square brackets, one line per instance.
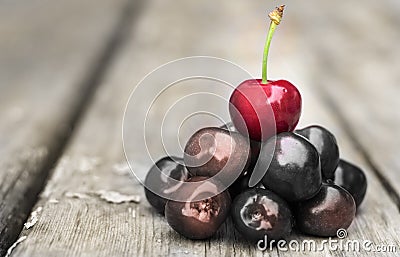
[304, 184]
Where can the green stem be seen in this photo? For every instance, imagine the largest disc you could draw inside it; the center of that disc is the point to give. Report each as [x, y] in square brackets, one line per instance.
[276, 17]
[271, 31]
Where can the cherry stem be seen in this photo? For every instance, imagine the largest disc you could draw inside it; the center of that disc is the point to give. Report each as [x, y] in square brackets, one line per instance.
[276, 17]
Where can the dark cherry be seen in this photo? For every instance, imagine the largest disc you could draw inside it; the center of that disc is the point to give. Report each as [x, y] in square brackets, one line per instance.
[254, 145]
[157, 178]
[211, 150]
[331, 209]
[242, 184]
[198, 219]
[294, 172]
[251, 104]
[258, 212]
[353, 179]
[326, 145]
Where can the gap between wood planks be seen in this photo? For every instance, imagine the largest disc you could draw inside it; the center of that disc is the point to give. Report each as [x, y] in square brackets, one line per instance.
[89, 85]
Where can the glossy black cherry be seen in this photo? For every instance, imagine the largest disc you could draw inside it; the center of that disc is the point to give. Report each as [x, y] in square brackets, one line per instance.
[294, 172]
[198, 219]
[353, 179]
[333, 208]
[240, 185]
[254, 145]
[258, 212]
[157, 178]
[326, 145]
[211, 150]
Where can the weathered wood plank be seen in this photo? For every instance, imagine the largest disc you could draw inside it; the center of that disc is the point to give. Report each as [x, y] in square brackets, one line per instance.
[360, 81]
[52, 54]
[90, 226]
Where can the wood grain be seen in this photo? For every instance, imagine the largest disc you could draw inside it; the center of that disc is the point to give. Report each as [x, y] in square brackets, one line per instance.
[360, 81]
[89, 226]
[50, 54]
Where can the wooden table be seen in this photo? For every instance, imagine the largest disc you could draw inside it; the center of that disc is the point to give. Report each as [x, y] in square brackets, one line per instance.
[67, 69]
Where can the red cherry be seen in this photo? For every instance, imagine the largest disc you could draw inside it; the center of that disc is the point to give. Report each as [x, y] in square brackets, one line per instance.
[261, 108]
[276, 106]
